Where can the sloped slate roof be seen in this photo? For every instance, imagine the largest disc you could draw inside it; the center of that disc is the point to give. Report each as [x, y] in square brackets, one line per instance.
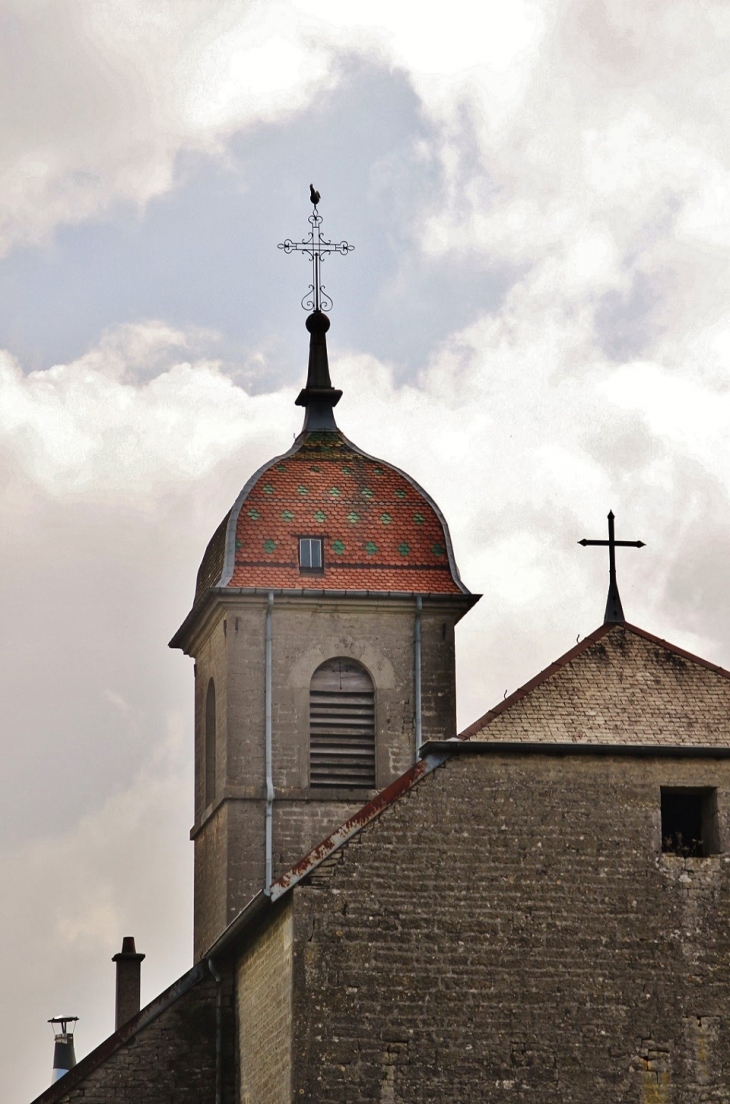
[381, 531]
[620, 685]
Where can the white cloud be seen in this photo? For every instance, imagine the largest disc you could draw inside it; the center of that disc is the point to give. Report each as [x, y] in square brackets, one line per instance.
[70, 898]
[88, 425]
[584, 148]
[105, 96]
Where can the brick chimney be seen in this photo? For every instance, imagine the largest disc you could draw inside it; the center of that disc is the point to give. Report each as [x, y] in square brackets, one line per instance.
[129, 965]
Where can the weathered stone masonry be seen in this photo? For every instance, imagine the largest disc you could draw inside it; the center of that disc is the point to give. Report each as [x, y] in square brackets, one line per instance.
[511, 931]
[500, 925]
[169, 1060]
[378, 632]
[264, 1008]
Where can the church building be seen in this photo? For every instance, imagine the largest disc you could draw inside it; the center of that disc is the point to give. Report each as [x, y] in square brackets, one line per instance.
[387, 911]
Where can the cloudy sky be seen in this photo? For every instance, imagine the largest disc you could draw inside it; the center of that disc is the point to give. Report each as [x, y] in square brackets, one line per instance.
[533, 324]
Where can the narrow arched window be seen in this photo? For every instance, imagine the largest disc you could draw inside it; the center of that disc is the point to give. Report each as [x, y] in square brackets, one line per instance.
[210, 743]
[341, 725]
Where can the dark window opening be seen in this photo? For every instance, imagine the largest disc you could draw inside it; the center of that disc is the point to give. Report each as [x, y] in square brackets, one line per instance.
[689, 822]
[210, 742]
[342, 726]
[310, 554]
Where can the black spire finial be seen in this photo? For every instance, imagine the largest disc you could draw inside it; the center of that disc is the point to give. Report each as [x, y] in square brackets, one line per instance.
[319, 396]
[614, 610]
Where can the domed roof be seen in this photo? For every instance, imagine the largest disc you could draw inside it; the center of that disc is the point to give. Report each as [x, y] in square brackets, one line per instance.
[380, 531]
[375, 529]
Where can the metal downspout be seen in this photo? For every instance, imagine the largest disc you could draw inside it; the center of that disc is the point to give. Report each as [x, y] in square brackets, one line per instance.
[268, 873]
[218, 1032]
[417, 674]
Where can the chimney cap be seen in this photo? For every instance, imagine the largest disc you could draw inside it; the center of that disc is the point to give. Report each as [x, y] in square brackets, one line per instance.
[63, 1020]
[128, 952]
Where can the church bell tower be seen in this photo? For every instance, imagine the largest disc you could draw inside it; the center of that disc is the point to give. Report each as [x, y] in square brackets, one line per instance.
[323, 637]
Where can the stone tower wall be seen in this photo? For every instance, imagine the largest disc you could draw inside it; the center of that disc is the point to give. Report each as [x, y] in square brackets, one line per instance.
[376, 631]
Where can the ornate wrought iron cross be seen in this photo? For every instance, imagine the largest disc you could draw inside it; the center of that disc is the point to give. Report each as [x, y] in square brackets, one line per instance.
[614, 610]
[317, 247]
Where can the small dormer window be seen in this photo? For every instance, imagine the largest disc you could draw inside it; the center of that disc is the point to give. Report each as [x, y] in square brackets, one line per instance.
[310, 554]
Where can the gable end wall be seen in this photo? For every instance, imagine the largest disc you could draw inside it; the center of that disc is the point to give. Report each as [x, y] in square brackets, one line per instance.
[171, 1060]
[512, 931]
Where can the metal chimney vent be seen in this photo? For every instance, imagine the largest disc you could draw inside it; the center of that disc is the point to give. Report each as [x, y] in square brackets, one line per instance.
[64, 1056]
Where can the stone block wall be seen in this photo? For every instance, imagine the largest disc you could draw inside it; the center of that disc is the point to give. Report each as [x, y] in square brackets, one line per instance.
[264, 1005]
[171, 1060]
[511, 931]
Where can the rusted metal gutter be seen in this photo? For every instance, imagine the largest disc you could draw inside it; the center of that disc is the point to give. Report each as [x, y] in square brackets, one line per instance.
[360, 820]
[263, 901]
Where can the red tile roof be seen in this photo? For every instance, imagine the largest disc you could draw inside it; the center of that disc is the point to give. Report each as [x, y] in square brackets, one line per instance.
[380, 530]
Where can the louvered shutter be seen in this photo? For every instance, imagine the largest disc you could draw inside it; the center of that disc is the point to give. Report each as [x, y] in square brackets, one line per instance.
[341, 726]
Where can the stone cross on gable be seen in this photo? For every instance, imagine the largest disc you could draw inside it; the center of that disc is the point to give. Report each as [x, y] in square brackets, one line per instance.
[614, 610]
[317, 248]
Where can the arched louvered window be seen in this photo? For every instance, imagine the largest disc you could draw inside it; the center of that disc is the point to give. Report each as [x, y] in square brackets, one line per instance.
[210, 743]
[341, 725]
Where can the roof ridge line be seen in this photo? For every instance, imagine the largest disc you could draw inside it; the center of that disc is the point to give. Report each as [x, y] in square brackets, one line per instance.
[118, 1038]
[723, 671]
[542, 676]
[572, 654]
